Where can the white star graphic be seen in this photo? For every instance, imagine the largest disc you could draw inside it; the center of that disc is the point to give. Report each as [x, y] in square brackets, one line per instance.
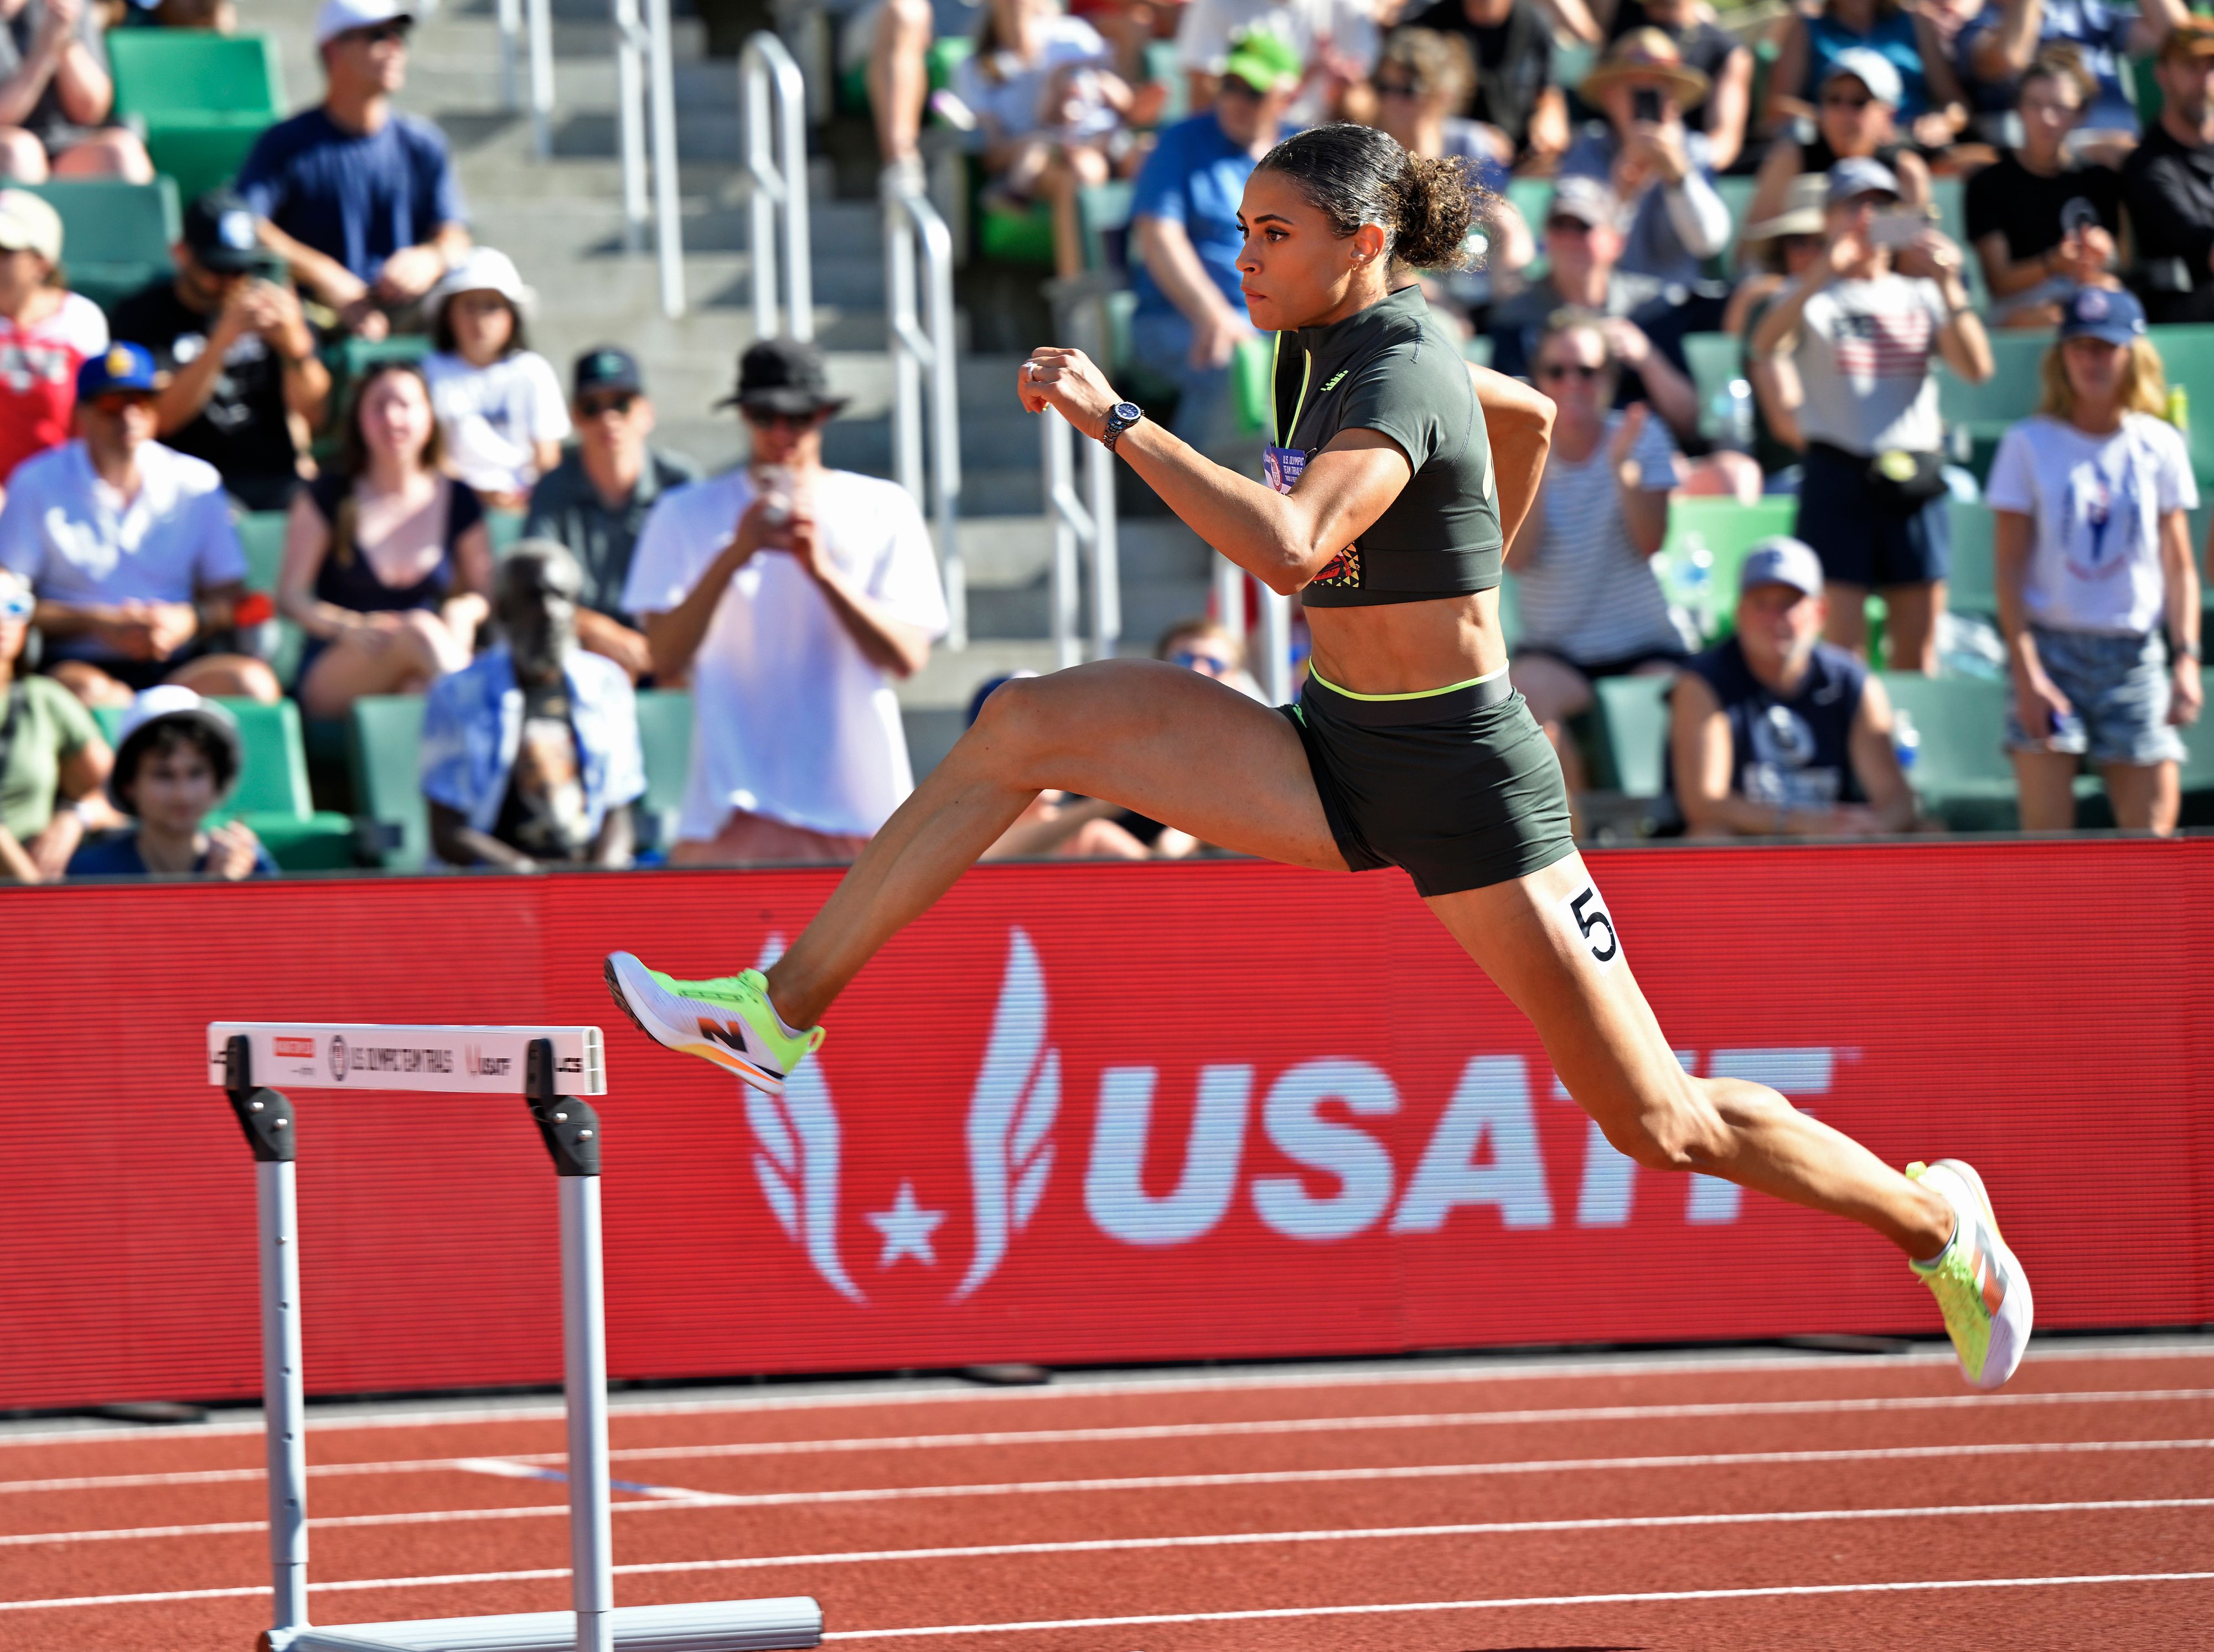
[907, 1227]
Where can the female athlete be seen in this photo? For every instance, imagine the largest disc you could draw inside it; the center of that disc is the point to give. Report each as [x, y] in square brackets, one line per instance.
[1384, 508]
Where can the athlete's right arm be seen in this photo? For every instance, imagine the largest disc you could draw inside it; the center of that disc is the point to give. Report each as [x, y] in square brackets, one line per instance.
[1283, 540]
[1519, 421]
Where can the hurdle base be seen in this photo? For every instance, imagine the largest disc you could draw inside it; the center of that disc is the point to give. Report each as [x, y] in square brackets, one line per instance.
[691, 1626]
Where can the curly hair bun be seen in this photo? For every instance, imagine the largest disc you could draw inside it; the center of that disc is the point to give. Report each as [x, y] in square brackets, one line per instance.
[1357, 174]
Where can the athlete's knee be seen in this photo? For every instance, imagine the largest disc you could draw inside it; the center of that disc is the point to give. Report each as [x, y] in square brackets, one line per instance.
[1674, 1127]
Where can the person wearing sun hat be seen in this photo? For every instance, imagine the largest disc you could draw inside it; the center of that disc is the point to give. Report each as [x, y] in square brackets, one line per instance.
[497, 400]
[1662, 172]
[177, 757]
[1190, 316]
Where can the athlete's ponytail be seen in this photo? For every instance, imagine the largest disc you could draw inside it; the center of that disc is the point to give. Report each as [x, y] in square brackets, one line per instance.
[1356, 174]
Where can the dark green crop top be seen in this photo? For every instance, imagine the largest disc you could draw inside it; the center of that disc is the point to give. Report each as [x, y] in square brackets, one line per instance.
[1392, 369]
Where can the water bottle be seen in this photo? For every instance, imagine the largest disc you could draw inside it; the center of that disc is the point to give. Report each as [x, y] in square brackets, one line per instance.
[1694, 581]
[2179, 409]
[1738, 426]
[1905, 740]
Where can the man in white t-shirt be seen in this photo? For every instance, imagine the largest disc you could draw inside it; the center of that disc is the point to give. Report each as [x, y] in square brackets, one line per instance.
[793, 595]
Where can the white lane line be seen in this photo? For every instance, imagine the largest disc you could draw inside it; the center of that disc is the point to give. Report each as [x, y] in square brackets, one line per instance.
[1077, 1387]
[1525, 1601]
[1098, 1545]
[1144, 1483]
[525, 1464]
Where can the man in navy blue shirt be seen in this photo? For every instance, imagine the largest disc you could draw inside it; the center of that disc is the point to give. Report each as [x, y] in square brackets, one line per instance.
[1184, 219]
[359, 198]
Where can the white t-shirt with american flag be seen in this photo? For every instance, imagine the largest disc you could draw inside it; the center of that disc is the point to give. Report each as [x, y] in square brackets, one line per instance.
[1865, 356]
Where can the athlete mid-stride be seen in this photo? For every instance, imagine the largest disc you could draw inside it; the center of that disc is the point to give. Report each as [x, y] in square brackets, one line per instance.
[1394, 471]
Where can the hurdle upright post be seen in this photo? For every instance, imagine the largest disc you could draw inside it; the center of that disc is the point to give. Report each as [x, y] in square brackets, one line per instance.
[571, 1130]
[267, 1118]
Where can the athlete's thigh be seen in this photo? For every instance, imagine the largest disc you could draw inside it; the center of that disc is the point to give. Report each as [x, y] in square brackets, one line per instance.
[1183, 750]
[1551, 944]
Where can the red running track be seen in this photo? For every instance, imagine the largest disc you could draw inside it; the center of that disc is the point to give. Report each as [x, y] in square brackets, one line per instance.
[1802, 1501]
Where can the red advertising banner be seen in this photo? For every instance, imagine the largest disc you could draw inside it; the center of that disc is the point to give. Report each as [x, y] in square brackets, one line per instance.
[1096, 1113]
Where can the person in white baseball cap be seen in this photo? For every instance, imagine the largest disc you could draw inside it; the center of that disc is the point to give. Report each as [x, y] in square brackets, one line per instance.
[360, 198]
[499, 401]
[1856, 117]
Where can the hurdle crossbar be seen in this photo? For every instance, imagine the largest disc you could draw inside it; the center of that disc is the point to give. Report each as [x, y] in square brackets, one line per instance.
[553, 1068]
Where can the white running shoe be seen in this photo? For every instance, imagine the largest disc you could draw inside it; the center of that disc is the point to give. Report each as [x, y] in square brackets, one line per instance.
[1978, 1285]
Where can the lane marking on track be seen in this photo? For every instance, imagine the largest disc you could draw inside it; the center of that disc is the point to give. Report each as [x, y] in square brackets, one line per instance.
[1137, 1483]
[525, 1464]
[1228, 1540]
[1525, 1601]
[1075, 1386]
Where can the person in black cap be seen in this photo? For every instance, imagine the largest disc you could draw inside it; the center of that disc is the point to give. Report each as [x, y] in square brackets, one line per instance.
[793, 595]
[598, 499]
[245, 390]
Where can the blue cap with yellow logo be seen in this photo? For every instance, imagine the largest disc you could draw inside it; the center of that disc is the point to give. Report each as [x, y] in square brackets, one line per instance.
[119, 367]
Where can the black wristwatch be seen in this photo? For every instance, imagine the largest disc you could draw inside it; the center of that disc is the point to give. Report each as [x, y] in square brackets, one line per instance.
[1120, 418]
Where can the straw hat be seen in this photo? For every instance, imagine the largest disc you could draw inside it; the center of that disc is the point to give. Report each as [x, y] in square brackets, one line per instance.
[1802, 212]
[1645, 54]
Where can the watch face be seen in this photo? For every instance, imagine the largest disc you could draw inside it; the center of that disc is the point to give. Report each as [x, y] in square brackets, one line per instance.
[1127, 412]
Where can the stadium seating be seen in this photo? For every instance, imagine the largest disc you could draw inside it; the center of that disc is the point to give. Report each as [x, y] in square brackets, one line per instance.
[1632, 734]
[271, 794]
[115, 235]
[202, 98]
[262, 534]
[386, 755]
[664, 734]
[1727, 530]
[1972, 587]
[1961, 772]
[1716, 360]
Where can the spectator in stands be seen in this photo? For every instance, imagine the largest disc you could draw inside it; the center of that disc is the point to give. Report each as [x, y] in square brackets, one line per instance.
[1591, 606]
[1336, 40]
[387, 561]
[1512, 44]
[793, 595]
[245, 385]
[52, 761]
[130, 547]
[1050, 108]
[2168, 182]
[499, 401]
[1713, 51]
[598, 499]
[176, 759]
[1864, 337]
[359, 198]
[1774, 732]
[1929, 104]
[1673, 221]
[1782, 249]
[2094, 560]
[1997, 50]
[56, 97]
[1190, 315]
[2042, 227]
[530, 752]
[46, 332]
[216, 16]
[1854, 119]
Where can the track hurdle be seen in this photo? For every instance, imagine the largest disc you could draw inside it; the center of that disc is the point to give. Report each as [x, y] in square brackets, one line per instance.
[553, 1069]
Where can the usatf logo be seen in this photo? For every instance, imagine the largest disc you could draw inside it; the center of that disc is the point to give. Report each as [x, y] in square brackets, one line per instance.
[337, 1058]
[483, 1066]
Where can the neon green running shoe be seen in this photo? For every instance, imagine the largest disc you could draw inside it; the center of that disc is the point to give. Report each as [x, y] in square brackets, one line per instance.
[1980, 1287]
[728, 1020]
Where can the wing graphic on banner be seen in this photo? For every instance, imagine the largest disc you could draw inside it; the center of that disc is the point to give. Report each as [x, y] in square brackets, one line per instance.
[797, 1164]
[1011, 1114]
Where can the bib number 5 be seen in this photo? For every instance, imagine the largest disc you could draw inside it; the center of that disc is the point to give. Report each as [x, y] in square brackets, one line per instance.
[1594, 925]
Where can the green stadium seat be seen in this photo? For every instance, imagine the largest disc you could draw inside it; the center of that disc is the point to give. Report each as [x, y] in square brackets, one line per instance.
[1961, 772]
[1103, 212]
[202, 99]
[1162, 67]
[1633, 733]
[1716, 360]
[1005, 236]
[2187, 354]
[115, 235]
[2198, 772]
[502, 528]
[1250, 374]
[386, 755]
[664, 734]
[1737, 195]
[1728, 530]
[262, 534]
[1972, 588]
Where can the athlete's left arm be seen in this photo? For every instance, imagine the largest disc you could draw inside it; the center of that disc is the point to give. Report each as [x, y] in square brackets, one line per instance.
[1519, 421]
[1283, 540]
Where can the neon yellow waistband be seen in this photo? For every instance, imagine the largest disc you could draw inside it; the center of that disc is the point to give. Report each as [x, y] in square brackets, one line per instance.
[1419, 693]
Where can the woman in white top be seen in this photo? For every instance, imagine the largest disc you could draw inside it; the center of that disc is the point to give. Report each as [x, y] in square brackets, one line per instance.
[1589, 602]
[2094, 557]
[1049, 105]
[499, 401]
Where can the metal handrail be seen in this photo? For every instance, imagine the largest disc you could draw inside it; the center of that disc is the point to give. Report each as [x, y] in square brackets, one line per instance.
[1088, 522]
[774, 146]
[540, 28]
[922, 346]
[1269, 656]
[645, 83]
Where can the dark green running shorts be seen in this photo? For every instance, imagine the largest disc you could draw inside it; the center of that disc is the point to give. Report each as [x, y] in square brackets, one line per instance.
[1459, 787]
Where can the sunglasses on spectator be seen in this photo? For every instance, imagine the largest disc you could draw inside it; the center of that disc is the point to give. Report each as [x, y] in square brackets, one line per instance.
[1192, 660]
[763, 419]
[1845, 101]
[1560, 370]
[378, 33]
[616, 401]
[16, 604]
[1400, 88]
[113, 404]
[1565, 225]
